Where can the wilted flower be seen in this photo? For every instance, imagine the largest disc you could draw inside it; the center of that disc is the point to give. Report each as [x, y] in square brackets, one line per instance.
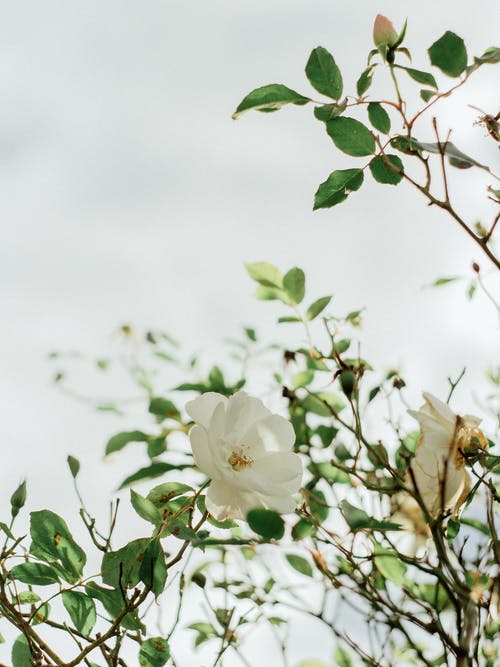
[384, 32]
[246, 451]
[439, 464]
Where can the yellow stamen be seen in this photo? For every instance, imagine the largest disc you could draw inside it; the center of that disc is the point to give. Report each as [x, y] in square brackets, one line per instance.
[238, 459]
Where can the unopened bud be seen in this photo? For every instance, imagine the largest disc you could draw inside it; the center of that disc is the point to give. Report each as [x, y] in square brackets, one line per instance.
[398, 382]
[18, 499]
[347, 382]
[384, 32]
[199, 579]
[476, 267]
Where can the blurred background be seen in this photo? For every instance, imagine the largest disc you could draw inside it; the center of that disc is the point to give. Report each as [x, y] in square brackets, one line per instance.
[129, 195]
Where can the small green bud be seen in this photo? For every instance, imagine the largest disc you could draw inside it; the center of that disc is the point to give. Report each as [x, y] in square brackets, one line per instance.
[74, 465]
[18, 499]
[199, 579]
[347, 381]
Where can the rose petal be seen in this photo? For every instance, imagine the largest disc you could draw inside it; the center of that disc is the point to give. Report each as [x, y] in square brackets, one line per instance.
[223, 502]
[272, 434]
[201, 409]
[201, 451]
[242, 411]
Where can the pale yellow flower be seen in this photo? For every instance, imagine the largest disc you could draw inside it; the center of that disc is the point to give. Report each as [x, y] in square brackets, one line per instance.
[438, 468]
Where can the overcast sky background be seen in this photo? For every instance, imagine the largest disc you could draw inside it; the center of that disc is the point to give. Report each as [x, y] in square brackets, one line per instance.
[129, 195]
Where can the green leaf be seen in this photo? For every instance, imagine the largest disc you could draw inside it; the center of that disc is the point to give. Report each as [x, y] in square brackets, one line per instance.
[342, 345]
[251, 334]
[318, 505]
[5, 528]
[302, 529]
[342, 658]
[389, 565]
[163, 493]
[156, 446]
[145, 508]
[351, 136]
[358, 519]
[455, 156]
[270, 98]
[28, 597]
[327, 112]
[21, 653]
[302, 379]
[337, 187]
[421, 77]
[300, 564]
[118, 441]
[491, 55]
[121, 568]
[162, 407]
[365, 81]
[41, 614]
[449, 54]
[266, 523]
[294, 284]
[427, 95]
[439, 282]
[74, 466]
[112, 601]
[288, 319]
[474, 523]
[379, 117]
[154, 652]
[383, 173]
[50, 532]
[35, 574]
[156, 469]
[324, 74]
[153, 570]
[216, 379]
[271, 294]
[320, 403]
[330, 473]
[317, 307]
[326, 434]
[265, 274]
[81, 609]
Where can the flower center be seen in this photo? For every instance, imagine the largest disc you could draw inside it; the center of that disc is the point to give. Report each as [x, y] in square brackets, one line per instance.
[238, 459]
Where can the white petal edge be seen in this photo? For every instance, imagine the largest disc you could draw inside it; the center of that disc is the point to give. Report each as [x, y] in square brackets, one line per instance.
[269, 435]
[201, 451]
[202, 408]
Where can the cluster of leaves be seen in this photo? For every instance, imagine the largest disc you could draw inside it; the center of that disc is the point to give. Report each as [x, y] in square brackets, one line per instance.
[355, 138]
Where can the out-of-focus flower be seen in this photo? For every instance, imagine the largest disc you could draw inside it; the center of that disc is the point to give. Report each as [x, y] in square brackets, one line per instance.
[407, 512]
[247, 452]
[439, 464]
[384, 32]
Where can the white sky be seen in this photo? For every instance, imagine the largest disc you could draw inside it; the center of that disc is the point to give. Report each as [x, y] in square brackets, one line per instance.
[129, 194]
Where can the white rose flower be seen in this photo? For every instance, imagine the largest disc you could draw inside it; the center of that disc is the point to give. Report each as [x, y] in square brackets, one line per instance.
[247, 453]
[439, 466]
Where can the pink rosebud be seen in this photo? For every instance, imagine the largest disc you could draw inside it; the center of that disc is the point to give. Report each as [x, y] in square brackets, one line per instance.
[383, 31]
